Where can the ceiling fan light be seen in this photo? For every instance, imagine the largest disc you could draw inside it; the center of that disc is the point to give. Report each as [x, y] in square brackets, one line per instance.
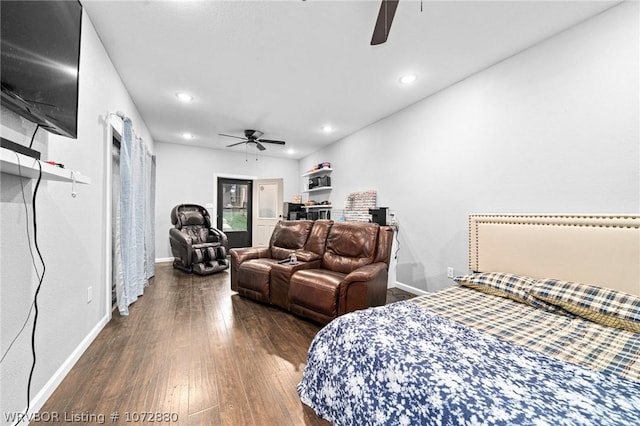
[408, 79]
[184, 97]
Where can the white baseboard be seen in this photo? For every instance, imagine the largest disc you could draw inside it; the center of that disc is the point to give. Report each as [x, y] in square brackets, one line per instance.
[38, 401]
[164, 259]
[410, 289]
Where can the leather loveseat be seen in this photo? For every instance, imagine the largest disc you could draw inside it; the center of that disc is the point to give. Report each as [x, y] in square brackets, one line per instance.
[341, 267]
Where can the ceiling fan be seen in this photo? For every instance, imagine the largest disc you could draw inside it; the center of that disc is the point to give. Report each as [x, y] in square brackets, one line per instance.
[383, 23]
[251, 136]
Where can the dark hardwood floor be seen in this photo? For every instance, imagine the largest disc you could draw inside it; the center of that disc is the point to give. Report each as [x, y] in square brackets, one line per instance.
[196, 351]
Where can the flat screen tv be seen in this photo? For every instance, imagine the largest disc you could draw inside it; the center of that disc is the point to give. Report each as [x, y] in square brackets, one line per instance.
[40, 62]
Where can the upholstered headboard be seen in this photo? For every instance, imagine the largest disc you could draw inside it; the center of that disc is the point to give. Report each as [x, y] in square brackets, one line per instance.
[594, 249]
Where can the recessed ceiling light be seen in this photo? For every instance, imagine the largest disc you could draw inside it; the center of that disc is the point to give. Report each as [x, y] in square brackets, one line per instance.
[408, 79]
[327, 128]
[187, 135]
[184, 97]
[290, 151]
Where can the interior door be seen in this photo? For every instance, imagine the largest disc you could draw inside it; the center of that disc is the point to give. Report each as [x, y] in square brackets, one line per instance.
[235, 210]
[267, 199]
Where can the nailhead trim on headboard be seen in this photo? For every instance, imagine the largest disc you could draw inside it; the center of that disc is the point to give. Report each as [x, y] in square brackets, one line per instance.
[539, 220]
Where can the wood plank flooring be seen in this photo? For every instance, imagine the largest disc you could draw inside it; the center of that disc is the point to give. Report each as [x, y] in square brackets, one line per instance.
[195, 350]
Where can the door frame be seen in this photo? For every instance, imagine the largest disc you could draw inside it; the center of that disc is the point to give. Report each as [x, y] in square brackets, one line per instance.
[256, 220]
[237, 238]
[213, 207]
[113, 128]
[116, 140]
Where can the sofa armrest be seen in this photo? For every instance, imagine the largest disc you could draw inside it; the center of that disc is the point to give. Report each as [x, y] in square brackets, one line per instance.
[290, 269]
[240, 255]
[307, 256]
[365, 273]
[363, 288]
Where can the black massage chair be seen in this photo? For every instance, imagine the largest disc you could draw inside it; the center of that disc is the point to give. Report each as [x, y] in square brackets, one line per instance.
[196, 246]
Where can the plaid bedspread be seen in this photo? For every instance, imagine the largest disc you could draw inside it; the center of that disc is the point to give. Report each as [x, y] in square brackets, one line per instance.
[578, 341]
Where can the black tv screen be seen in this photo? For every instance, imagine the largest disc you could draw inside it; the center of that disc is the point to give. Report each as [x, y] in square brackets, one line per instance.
[40, 62]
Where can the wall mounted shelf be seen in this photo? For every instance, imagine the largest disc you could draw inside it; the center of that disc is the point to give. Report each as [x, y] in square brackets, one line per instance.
[318, 188]
[320, 180]
[22, 165]
[324, 170]
[319, 206]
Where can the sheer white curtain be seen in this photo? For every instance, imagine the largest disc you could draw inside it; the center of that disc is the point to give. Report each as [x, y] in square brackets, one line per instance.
[134, 261]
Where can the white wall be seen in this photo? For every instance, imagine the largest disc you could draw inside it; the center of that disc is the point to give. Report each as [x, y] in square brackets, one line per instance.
[186, 174]
[70, 234]
[553, 129]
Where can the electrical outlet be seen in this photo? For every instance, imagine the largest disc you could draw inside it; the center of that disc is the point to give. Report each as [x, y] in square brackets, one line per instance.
[450, 273]
[89, 294]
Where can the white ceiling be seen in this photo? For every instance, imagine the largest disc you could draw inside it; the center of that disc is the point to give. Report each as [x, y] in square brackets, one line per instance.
[288, 67]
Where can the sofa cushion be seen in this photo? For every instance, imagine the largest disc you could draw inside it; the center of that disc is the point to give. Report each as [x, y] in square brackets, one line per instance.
[281, 277]
[317, 290]
[318, 236]
[289, 236]
[350, 246]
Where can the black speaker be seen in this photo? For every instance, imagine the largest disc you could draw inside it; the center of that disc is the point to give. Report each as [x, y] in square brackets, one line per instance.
[379, 215]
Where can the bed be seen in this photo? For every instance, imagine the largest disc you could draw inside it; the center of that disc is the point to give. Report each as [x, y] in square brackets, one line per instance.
[544, 330]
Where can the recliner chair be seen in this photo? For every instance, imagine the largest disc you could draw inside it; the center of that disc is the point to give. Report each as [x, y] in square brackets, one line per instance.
[196, 246]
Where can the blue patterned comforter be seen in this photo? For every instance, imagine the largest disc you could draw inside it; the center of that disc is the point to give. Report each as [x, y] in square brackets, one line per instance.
[402, 365]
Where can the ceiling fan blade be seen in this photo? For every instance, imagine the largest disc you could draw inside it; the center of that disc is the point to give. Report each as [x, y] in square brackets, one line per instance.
[237, 143]
[383, 23]
[260, 146]
[252, 134]
[271, 141]
[231, 136]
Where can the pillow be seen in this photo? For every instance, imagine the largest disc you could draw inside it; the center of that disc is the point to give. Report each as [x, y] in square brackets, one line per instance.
[510, 286]
[499, 284]
[602, 305]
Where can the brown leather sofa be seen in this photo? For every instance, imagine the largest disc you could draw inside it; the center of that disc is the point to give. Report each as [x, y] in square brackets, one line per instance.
[251, 267]
[341, 267]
